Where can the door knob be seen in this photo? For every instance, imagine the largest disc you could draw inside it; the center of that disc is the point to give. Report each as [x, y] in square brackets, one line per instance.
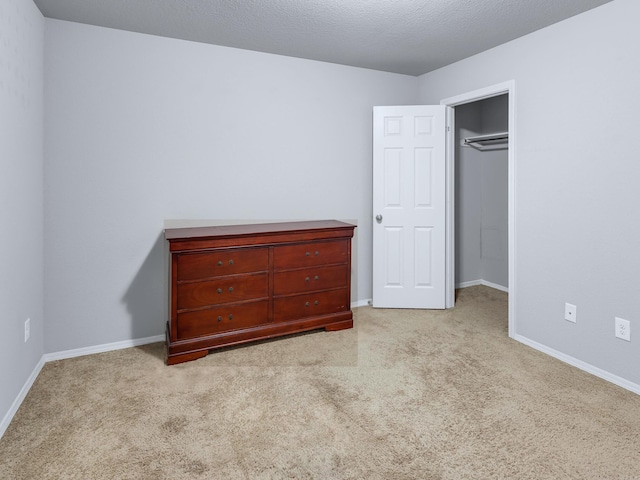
[379, 218]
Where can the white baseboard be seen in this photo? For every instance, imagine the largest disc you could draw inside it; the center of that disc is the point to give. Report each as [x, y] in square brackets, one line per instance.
[20, 398]
[473, 283]
[598, 372]
[361, 303]
[78, 352]
[107, 347]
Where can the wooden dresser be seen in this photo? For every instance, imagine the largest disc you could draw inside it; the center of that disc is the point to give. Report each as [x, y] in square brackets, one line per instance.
[235, 284]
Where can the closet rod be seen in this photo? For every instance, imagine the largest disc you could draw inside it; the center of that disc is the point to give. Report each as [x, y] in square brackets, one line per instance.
[493, 141]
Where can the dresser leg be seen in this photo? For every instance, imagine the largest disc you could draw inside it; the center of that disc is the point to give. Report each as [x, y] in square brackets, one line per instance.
[339, 325]
[186, 357]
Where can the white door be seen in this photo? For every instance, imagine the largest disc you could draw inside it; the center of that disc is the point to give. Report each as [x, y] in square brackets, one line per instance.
[409, 206]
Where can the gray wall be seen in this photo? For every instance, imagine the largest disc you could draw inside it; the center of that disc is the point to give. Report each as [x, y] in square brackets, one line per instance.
[577, 176]
[468, 197]
[21, 250]
[495, 195]
[140, 129]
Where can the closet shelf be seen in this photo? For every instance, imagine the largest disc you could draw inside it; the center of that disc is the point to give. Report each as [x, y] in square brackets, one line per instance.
[493, 141]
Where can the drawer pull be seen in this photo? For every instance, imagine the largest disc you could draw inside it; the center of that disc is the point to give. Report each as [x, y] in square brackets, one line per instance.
[231, 262]
[316, 302]
[307, 254]
[317, 253]
[219, 290]
[230, 316]
[219, 318]
[230, 289]
[306, 279]
[306, 304]
[316, 277]
[219, 263]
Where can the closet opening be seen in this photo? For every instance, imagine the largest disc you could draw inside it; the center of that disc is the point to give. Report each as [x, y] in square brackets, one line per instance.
[481, 181]
[481, 193]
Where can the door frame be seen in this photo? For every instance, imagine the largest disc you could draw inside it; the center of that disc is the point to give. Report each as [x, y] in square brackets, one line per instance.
[509, 88]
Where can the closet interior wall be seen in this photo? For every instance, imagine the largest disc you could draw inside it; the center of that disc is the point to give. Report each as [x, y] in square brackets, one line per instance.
[481, 196]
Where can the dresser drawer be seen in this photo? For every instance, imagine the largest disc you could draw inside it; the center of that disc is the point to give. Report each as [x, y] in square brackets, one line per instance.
[230, 289]
[222, 319]
[197, 266]
[310, 254]
[310, 279]
[309, 305]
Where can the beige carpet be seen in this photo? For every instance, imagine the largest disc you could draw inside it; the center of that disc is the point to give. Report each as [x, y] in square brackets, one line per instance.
[406, 394]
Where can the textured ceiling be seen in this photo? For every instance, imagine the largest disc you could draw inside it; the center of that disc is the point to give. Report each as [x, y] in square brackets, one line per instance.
[403, 36]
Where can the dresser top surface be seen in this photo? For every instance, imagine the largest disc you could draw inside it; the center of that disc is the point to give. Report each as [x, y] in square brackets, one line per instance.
[253, 229]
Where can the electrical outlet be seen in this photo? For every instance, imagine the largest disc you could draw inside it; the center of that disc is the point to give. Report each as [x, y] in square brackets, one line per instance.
[623, 329]
[570, 312]
[27, 329]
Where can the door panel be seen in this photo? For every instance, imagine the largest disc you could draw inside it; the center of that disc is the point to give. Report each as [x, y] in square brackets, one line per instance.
[409, 204]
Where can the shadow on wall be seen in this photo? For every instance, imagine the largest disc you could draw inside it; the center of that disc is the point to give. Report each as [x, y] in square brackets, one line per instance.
[146, 299]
